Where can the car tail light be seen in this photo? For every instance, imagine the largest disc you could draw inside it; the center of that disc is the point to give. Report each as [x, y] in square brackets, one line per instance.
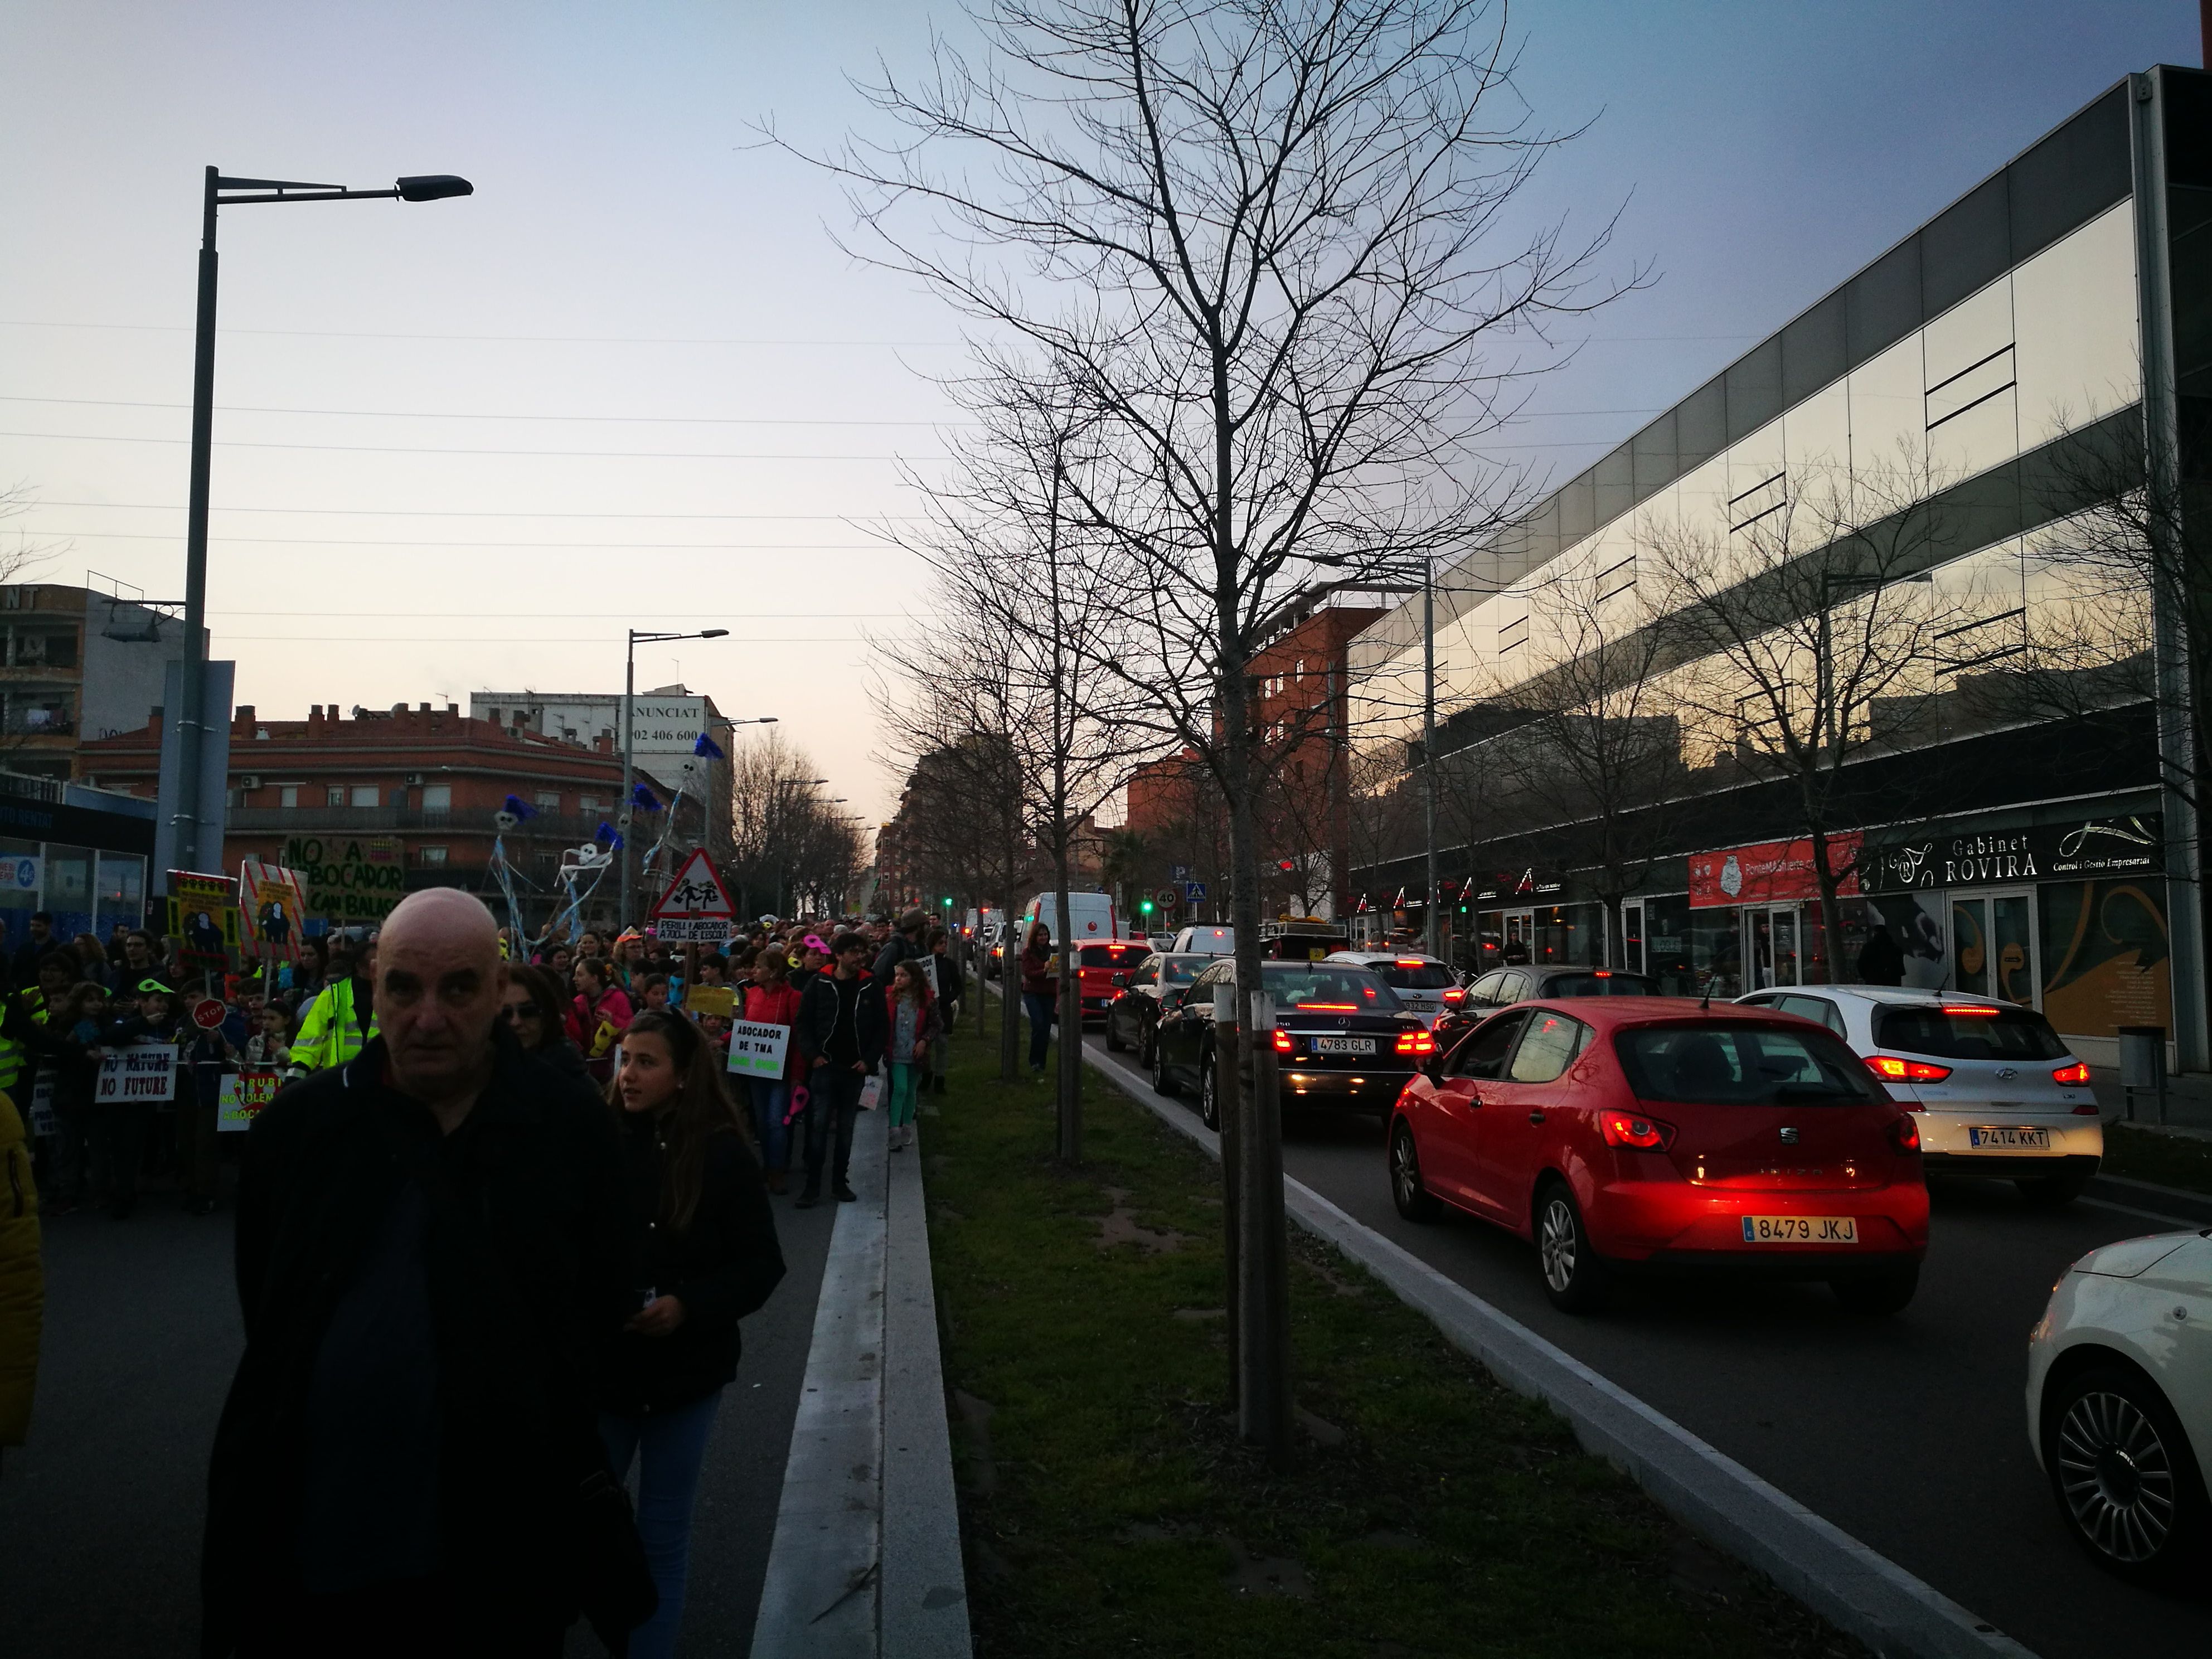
[1978, 1010]
[2077, 1072]
[1455, 994]
[1632, 1129]
[1905, 1134]
[1416, 1042]
[1282, 1042]
[1906, 1071]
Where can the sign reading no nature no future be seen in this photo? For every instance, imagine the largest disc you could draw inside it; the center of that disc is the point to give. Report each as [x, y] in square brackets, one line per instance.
[348, 879]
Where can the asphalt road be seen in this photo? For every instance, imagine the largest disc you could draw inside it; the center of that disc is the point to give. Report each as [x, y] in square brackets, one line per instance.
[100, 1513]
[1908, 1432]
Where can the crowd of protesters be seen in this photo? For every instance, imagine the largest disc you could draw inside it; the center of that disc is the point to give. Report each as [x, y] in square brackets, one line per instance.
[505, 1194]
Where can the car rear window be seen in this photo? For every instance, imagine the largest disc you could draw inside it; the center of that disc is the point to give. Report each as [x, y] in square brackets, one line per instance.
[1716, 1065]
[1966, 1031]
[1414, 975]
[1598, 985]
[1109, 956]
[1180, 970]
[1334, 986]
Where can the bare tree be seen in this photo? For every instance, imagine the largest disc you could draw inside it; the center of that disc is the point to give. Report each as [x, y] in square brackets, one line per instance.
[785, 839]
[1795, 638]
[1268, 245]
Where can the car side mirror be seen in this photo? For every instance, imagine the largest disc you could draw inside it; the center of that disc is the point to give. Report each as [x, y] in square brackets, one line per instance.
[1170, 999]
[1434, 1066]
[1123, 981]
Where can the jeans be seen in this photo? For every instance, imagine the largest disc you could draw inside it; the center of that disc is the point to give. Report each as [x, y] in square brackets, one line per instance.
[1040, 1007]
[833, 1103]
[670, 1445]
[906, 1084]
[770, 1100]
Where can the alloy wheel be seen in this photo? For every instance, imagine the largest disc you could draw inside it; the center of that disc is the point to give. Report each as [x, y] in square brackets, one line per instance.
[2117, 1477]
[1209, 1102]
[1558, 1242]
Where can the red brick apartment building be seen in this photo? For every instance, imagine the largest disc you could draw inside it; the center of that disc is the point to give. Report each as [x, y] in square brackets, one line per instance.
[403, 798]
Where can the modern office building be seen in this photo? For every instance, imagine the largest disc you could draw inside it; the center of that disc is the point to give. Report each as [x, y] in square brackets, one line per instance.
[2008, 384]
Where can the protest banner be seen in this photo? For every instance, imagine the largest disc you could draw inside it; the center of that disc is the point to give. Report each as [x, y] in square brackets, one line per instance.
[43, 1121]
[757, 1050]
[348, 881]
[202, 917]
[144, 1071]
[720, 1001]
[272, 908]
[243, 1095]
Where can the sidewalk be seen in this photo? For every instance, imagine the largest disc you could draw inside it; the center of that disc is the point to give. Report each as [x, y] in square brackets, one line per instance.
[2188, 1100]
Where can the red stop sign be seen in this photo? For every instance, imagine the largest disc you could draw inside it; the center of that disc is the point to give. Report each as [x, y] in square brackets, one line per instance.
[207, 1012]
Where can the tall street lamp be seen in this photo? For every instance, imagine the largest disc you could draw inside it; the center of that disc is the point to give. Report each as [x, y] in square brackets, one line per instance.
[637, 637]
[235, 192]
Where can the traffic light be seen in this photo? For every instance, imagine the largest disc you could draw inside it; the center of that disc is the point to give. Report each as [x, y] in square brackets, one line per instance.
[1144, 907]
[1286, 864]
[946, 901]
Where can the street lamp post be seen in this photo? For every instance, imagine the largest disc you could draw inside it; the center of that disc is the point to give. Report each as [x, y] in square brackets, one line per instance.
[222, 192]
[625, 816]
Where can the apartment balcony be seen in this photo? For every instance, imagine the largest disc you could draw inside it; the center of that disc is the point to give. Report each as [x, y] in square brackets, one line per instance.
[406, 821]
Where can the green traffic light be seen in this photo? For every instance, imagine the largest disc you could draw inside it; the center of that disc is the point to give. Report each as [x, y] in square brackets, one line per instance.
[946, 903]
[1145, 906]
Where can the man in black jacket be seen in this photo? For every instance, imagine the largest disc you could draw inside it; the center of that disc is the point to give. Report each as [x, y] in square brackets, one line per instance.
[840, 1034]
[433, 1242]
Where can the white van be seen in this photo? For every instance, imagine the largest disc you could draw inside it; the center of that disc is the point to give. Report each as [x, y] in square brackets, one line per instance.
[1207, 939]
[1091, 917]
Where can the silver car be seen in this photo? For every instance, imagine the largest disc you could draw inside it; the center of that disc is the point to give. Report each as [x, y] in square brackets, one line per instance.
[1425, 985]
[1994, 1088]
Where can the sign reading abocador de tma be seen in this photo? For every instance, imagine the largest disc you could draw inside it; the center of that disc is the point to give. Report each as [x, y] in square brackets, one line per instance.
[348, 879]
[2124, 844]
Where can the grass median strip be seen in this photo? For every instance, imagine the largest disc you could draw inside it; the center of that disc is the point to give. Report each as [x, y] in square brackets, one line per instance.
[1108, 1507]
[2170, 1160]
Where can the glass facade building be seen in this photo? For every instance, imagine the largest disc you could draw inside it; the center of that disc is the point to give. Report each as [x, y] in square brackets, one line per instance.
[1977, 378]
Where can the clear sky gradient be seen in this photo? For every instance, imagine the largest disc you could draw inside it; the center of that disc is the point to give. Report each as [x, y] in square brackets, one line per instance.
[631, 383]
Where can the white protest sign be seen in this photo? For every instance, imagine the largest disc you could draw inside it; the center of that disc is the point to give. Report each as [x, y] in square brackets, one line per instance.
[140, 1071]
[758, 1050]
[243, 1095]
[42, 1104]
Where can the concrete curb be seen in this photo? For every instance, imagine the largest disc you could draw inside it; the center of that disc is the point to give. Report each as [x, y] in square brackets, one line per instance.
[925, 1584]
[1853, 1587]
[865, 1560]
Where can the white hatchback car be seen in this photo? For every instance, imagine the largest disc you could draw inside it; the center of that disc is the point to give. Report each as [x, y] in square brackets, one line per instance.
[1996, 1091]
[1425, 985]
[2119, 1403]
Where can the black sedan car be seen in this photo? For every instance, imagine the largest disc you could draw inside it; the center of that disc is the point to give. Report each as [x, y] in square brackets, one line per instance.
[1156, 986]
[1502, 987]
[1342, 1038]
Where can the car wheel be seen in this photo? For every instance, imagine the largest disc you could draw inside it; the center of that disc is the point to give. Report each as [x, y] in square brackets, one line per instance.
[1881, 1293]
[1114, 1044]
[1162, 1083]
[1573, 1276]
[1209, 1097]
[1415, 1201]
[2120, 1466]
[2055, 1192]
[1146, 1046]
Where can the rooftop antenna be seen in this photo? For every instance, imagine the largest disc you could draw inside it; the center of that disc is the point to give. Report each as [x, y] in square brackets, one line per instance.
[1706, 1002]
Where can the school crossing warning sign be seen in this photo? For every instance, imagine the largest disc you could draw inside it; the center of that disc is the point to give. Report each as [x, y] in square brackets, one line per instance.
[696, 906]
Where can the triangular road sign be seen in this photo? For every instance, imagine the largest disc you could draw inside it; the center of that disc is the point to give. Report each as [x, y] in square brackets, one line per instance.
[696, 894]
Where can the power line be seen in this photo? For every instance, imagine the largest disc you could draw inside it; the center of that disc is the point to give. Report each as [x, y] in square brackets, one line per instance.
[570, 615]
[441, 449]
[518, 340]
[471, 513]
[361, 541]
[435, 415]
[493, 639]
[641, 420]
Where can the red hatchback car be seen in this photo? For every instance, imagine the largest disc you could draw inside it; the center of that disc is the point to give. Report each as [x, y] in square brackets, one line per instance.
[1648, 1133]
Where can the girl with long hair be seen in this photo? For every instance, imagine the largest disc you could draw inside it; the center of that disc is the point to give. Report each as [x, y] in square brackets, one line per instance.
[773, 999]
[708, 1256]
[910, 1007]
[601, 1013]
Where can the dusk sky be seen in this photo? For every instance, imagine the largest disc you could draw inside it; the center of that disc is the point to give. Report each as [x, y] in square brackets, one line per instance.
[632, 382]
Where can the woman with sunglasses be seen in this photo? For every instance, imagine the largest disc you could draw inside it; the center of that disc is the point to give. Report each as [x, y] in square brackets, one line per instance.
[708, 1256]
[532, 1006]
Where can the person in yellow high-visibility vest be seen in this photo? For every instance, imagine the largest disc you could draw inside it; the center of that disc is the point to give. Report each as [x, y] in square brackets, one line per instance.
[340, 1020]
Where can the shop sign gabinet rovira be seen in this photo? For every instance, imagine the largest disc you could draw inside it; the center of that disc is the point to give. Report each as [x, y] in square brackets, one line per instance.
[2122, 845]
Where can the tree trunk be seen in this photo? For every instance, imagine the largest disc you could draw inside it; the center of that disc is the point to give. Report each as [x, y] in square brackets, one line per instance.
[1070, 1004]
